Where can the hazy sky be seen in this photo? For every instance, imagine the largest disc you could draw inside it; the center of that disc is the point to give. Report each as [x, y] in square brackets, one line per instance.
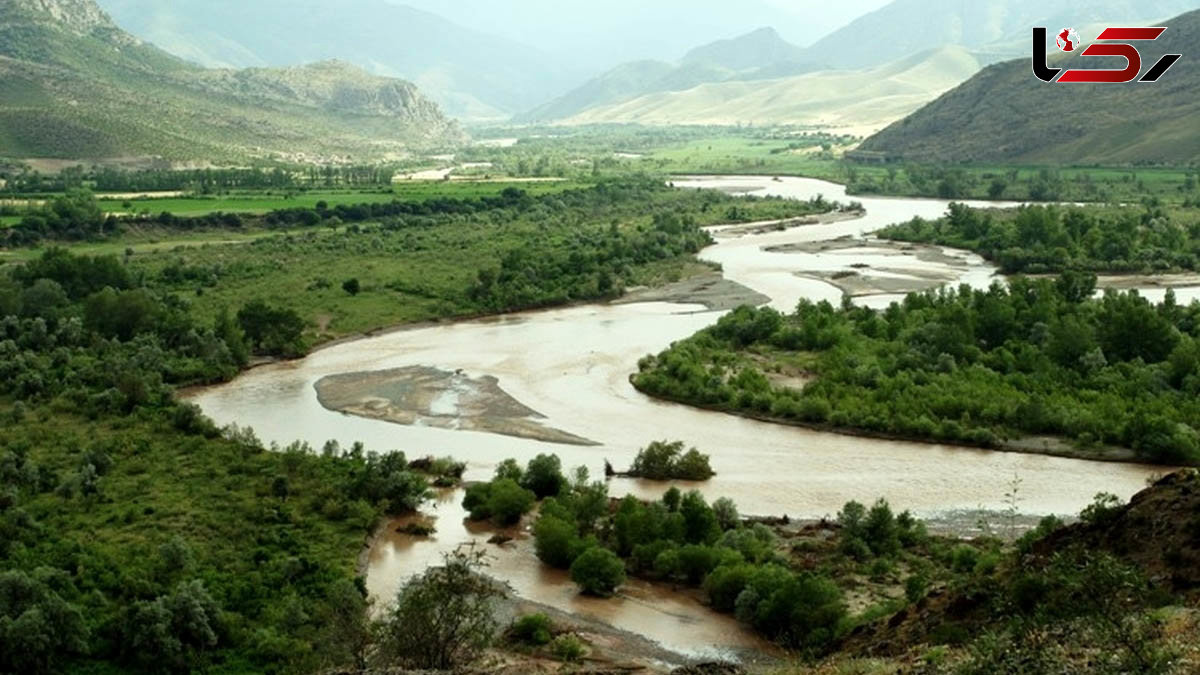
[661, 29]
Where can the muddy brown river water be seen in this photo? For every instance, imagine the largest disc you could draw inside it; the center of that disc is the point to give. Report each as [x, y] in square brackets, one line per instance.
[572, 366]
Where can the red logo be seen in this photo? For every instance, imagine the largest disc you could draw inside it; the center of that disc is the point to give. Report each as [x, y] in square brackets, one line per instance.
[1068, 40]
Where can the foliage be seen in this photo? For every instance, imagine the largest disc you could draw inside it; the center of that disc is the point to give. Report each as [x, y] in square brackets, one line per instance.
[598, 571]
[441, 619]
[693, 546]
[662, 460]
[544, 477]
[1037, 239]
[532, 629]
[501, 500]
[962, 365]
[38, 628]
[568, 648]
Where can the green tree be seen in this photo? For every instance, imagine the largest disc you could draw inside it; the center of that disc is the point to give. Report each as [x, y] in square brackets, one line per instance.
[39, 630]
[442, 619]
[598, 571]
[699, 521]
[272, 330]
[544, 476]
[556, 541]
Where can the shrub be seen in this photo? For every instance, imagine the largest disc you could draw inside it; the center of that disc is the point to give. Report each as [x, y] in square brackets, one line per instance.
[568, 648]
[1103, 509]
[532, 629]
[598, 571]
[662, 460]
[502, 500]
[544, 476]
[556, 541]
[964, 558]
[441, 619]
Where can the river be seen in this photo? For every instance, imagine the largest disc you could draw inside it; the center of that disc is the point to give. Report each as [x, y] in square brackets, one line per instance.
[572, 365]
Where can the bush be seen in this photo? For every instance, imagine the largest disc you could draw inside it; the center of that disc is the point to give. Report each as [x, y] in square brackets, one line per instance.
[1103, 509]
[964, 558]
[568, 648]
[441, 619]
[532, 629]
[598, 571]
[502, 500]
[544, 476]
[556, 541]
[662, 460]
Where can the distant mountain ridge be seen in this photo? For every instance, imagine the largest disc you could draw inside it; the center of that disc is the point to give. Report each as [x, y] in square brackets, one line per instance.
[471, 74]
[74, 85]
[858, 100]
[759, 54]
[1004, 114]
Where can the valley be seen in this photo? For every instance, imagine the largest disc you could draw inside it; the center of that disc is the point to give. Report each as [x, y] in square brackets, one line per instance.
[767, 338]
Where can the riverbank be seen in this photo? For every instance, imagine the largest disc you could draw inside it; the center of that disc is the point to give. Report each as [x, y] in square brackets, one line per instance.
[1034, 445]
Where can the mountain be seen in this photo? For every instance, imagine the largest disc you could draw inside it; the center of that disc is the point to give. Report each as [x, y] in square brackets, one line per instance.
[471, 74]
[855, 100]
[756, 55]
[1005, 114]
[594, 36]
[993, 29]
[73, 85]
[757, 49]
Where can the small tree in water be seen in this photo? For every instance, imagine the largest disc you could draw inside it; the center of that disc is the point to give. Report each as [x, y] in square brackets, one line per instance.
[441, 619]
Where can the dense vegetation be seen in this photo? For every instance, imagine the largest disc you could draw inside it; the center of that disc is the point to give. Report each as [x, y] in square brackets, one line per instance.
[456, 256]
[1036, 239]
[137, 534]
[741, 566]
[25, 181]
[961, 365]
[662, 460]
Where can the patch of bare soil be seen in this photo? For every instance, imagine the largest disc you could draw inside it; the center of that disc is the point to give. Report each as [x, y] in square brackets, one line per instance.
[922, 252]
[765, 227]
[437, 398]
[857, 284]
[711, 290]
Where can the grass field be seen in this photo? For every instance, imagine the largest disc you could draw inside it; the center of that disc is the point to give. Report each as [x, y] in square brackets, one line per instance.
[153, 240]
[258, 202]
[744, 155]
[5, 221]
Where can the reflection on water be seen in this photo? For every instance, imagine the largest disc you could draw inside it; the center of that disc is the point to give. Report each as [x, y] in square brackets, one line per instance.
[573, 366]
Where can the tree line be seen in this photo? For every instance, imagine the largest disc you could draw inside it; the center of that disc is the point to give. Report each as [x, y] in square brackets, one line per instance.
[1040, 239]
[1040, 356]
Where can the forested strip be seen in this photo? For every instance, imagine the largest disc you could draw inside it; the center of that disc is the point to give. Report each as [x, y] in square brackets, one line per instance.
[1037, 239]
[961, 365]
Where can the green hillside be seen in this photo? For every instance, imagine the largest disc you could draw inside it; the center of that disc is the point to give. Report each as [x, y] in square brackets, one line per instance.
[75, 86]
[471, 74]
[864, 99]
[1005, 114]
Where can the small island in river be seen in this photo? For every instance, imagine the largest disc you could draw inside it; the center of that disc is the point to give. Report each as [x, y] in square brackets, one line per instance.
[437, 398]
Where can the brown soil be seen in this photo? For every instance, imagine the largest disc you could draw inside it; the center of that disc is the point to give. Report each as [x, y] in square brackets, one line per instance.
[923, 252]
[765, 227]
[437, 398]
[711, 289]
